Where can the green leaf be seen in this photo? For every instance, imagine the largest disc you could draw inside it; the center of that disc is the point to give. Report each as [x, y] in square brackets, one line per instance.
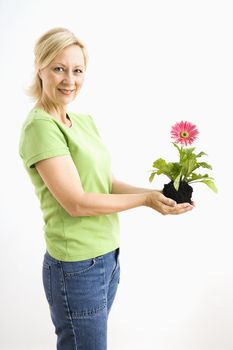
[191, 166]
[176, 183]
[195, 177]
[205, 165]
[189, 150]
[211, 185]
[162, 167]
[201, 154]
[159, 163]
[151, 178]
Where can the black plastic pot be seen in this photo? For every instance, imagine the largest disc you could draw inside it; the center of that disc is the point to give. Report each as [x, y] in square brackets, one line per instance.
[183, 195]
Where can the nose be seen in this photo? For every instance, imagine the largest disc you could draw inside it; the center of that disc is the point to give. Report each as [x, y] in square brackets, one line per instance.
[69, 78]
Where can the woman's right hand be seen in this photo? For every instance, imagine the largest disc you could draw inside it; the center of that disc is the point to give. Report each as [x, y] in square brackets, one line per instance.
[164, 205]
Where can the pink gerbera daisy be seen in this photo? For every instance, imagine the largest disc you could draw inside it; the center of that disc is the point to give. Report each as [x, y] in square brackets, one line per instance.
[184, 133]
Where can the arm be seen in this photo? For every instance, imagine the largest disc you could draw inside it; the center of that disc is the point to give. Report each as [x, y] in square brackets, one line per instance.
[62, 179]
[122, 187]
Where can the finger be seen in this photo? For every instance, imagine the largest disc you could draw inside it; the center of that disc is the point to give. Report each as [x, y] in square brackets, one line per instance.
[168, 201]
[182, 208]
[184, 205]
[178, 209]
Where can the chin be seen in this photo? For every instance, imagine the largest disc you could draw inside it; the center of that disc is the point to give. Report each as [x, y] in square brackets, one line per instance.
[66, 100]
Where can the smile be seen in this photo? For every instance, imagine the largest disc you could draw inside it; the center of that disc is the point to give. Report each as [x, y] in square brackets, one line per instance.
[66, 91]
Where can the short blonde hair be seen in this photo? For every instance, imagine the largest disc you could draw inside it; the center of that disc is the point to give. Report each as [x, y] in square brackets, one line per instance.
[47, 47]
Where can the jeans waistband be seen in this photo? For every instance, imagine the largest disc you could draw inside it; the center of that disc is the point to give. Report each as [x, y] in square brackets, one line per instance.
[55, 261]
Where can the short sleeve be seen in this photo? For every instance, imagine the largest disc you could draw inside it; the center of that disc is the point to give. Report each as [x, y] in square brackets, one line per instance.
[41, 139]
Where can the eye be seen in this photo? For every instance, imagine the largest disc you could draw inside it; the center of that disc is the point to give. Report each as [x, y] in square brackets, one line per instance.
[78, 71]
[59, 69]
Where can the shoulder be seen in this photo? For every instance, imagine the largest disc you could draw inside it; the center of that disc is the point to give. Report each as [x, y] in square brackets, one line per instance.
[39, 127]
[39, 122]
[37, 116]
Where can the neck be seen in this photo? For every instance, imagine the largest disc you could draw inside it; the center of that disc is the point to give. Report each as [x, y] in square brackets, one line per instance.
[56, 111]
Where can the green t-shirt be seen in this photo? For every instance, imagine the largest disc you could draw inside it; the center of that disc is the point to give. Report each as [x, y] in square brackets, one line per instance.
[70, 238]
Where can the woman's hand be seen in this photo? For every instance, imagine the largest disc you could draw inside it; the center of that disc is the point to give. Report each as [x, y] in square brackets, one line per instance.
[164, 205]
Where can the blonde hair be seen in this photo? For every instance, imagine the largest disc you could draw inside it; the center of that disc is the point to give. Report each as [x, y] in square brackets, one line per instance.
[47, 47]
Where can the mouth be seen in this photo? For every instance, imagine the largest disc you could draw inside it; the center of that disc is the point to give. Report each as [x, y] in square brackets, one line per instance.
[66, 91]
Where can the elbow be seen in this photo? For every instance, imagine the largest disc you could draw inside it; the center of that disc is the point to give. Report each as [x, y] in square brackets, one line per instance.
[78, 213]
[78, 209]
[74, 213]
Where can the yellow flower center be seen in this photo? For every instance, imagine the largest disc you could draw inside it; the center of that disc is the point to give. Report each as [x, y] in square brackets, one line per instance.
[184, 134]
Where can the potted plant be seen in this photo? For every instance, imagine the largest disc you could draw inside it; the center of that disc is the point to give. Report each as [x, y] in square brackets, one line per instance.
[184, 172]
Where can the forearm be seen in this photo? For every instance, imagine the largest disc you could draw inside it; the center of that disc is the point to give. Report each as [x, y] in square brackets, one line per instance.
[92, 204]
[121, 187]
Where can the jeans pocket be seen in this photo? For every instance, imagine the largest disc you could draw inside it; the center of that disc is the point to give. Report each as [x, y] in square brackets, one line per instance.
[47, 283]
[85, 288]
[73, 269]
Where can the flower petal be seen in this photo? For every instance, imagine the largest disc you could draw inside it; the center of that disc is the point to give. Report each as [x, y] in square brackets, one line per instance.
[184, 133]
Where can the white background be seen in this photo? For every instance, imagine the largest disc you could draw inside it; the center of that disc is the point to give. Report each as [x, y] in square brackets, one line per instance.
[152, 63]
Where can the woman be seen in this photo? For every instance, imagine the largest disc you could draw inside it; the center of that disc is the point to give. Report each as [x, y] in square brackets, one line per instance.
[70, 168]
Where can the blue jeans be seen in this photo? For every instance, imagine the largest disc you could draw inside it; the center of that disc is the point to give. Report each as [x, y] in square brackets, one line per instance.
[80, 295]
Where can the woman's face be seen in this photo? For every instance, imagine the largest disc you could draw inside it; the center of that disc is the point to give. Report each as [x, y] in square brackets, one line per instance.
[64, 76]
